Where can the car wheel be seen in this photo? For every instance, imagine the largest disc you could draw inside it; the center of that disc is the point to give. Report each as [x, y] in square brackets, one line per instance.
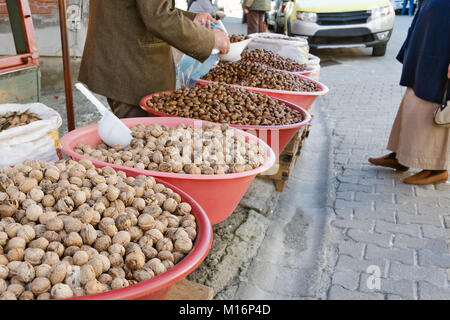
[380, 50]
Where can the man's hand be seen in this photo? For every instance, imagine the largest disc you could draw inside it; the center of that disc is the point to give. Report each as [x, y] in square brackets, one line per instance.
[222, 41]
[448, 72]
[246, 11]
[204, 19]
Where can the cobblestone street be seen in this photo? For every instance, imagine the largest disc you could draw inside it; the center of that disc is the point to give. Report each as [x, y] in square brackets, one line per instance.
[342, 218]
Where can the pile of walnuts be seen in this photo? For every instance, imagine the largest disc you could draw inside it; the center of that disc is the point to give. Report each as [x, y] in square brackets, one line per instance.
[249, 74]
[68, 229]
[16, 120]
[208, 149]
[272, 59]
[224, 104]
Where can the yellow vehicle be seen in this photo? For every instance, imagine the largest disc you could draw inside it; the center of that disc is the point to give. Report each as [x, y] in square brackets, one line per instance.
[342, 23]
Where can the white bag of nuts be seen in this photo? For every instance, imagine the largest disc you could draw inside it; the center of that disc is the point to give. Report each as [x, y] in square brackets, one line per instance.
[22, 138]
[295, 48]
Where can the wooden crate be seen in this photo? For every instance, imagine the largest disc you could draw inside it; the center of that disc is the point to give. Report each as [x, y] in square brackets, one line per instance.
[288, 159]
[188, 290]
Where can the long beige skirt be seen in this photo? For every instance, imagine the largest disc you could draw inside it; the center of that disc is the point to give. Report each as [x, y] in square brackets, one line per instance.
[418, 142]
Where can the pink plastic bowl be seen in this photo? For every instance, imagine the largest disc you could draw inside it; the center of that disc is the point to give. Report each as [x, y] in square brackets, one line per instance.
[158, 287]
[302, 99]
[277, 137]
[218, 195]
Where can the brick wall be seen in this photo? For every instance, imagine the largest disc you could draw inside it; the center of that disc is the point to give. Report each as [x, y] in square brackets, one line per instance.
[40, 7]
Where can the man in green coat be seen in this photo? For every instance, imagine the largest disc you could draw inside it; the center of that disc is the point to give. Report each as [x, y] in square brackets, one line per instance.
[127, 54]
[255, 9]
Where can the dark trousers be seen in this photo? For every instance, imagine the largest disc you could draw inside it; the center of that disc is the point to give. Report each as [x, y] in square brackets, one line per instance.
[255, 21]
[123, 110]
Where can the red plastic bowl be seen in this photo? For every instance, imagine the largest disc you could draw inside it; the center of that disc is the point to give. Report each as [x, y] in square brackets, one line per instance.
[277, 137]
[299, 98]
[157, 288]
[218, 195]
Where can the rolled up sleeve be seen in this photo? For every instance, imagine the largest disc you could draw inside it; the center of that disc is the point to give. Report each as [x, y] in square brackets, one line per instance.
[176, 27]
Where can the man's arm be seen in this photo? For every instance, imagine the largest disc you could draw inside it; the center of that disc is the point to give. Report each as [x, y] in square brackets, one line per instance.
[176, 27]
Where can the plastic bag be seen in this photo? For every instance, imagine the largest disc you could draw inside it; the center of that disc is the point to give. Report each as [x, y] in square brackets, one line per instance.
[37, 140]
[295, 48]
[190, 70]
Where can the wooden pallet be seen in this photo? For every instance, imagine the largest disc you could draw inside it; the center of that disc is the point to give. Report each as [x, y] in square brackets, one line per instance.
[188, 290]
[287, 160]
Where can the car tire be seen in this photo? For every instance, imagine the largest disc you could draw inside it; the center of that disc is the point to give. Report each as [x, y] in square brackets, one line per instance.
[379, 50]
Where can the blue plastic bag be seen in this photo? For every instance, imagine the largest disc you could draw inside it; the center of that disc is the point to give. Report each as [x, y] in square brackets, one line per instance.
[191, 70]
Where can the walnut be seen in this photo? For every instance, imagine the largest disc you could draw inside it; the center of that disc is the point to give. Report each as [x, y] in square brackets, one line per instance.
[136, 233]
[146, 222]
[165, 255]
[143, 274]
[73, 239]
[119, 283]
[87, 273]
[55, 224]
[50, 258]
[105, 279]
[164, 245]
[36, 194]
[107, 225]
[26, 295]
[27, 184]
[16, 289]
[42, 270]
[102, 243]
[184, 208]
[57, 247]
[170, 205]
[24, 272]
[61, 291]
[88, 234]
[183, 245]
[122, 238]
[72, 224]
[80, 258]
[34, 256]
[58, 273]
[156, 266]
[65, 204]
[40, 285]
[135, 260]
[7, 210]
[33, 212]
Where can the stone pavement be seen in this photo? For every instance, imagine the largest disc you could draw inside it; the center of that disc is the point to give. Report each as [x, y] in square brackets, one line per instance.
[345, 229]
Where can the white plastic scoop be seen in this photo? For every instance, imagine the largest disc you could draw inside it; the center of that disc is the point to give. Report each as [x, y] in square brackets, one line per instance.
[110, 129]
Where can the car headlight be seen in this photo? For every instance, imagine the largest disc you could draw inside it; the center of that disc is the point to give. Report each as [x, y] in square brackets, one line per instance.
[380, 12]
[307, 16]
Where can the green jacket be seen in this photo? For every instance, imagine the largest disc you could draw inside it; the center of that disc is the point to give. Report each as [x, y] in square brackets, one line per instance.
[127, 54]
[258, 5]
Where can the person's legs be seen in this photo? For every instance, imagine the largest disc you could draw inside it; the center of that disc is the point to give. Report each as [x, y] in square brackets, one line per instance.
[123, 110]
[411, 6]
[405, 2]
[261, 21]
[252, 22]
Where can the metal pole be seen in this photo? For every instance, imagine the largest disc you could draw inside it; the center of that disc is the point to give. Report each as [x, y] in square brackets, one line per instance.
[66, 65]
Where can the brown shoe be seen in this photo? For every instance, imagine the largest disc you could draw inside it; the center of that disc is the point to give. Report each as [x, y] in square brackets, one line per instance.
[427, 177]
[388, 161]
